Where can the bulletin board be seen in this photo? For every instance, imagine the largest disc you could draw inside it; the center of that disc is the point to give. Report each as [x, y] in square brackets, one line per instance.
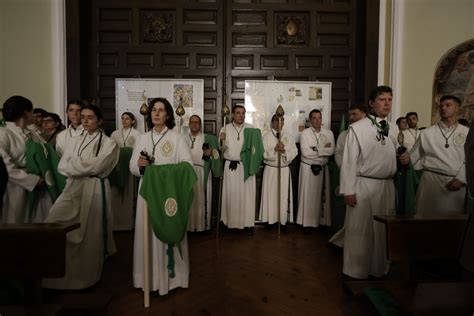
[131, 93]
[297, 98]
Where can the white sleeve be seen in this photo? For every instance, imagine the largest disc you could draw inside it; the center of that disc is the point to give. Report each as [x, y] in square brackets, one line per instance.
[349, 164]
[341, 140]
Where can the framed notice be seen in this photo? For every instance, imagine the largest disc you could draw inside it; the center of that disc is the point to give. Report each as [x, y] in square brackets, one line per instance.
[297, 98]
[131, 93]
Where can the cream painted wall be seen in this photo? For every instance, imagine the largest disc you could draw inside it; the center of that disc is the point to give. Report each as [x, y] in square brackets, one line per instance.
[26, 51]
[430, 28]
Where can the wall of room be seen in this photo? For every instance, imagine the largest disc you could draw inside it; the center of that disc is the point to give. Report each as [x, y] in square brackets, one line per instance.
[429, 29]
[30, 51]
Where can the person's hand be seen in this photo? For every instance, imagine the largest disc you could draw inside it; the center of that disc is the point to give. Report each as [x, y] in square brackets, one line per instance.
[280, 147]
[207, 152]
[454, 185]
[404, 158]
[350, 200]
[40, 181]
[222, 136]
[143, 161]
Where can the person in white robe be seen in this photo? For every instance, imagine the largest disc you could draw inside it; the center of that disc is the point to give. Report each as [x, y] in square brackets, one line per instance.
[86, 200]
[369, 163]
[123, 204]
[238, 195]
[269, 198]
[440, 150]
[356, 113]
[162, 145]
[64, 138]
[412, 133]
[17, 113]
[314, 190]
[200, 212]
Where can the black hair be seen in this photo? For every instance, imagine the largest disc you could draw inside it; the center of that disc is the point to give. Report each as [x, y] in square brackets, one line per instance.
[54, 116]
[411, 114]
[314, 111]
[463, 121]
[450, 97]
[378, 91]
[15, 107]
[77, 102]
[95, 109]
[40, 111]
[170, 122]
[400, 119]
[132, 116]
[236, 106]
[195, 115]
[360, 107]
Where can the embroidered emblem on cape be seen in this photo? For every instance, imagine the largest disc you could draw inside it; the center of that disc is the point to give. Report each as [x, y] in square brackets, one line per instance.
[459, 139]
[167, 148]
[215, 154]
[171, 207]
[48, 178]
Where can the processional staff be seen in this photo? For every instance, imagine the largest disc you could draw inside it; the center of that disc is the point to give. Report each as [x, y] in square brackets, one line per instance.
[280, 113]
[180, 112]
[146, 237]
[225, 112]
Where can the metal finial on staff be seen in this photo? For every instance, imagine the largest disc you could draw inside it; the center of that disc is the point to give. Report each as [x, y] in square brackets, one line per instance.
[280, 113]
[144, 111]
[225, 113]
[180, 112]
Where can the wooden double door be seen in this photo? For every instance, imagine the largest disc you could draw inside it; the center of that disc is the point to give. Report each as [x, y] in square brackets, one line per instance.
[224, 42]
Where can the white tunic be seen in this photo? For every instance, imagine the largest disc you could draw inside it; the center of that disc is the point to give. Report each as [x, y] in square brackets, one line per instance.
[268, 204]
[441, 165]
[341, 141]
[367, 169]
[200, 211]
[312, 210]
[65, 137]
[410, 136]
[12, 152]
[338, 238]
[160, 280]
[123, 204]
[238, 196]
[81, 202]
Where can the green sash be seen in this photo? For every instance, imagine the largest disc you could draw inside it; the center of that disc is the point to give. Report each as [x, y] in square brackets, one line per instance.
[252, 151]
[119, 176]
[42, 160]
[168, 191]
[215, 163]
[406, 184]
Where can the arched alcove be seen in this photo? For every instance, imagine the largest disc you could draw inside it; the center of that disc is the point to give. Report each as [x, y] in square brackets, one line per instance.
[454, 75]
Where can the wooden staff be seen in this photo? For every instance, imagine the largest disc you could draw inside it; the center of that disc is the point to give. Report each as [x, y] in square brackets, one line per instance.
[146, 257]
[280, 113]
[225, 112]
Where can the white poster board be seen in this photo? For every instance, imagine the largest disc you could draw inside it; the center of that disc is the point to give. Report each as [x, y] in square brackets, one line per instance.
[297, 98]
[131, 93]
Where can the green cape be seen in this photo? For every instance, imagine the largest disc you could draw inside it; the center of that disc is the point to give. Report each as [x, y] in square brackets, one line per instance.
[252, 151]
[119, 176]
[43, 160]
[168, 191]
[215, 163]
[406, 184]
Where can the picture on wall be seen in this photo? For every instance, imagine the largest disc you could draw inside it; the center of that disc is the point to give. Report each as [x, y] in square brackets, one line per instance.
[183, 94]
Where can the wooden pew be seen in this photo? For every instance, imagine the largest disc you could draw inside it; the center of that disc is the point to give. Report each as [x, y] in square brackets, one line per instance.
[31, 252]
[410, 238]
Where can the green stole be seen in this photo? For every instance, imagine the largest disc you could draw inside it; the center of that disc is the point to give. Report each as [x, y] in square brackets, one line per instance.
[214, 164]
[252, 151]
[43, 160]
[406, 184]
[168, 191]
[119, 176]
